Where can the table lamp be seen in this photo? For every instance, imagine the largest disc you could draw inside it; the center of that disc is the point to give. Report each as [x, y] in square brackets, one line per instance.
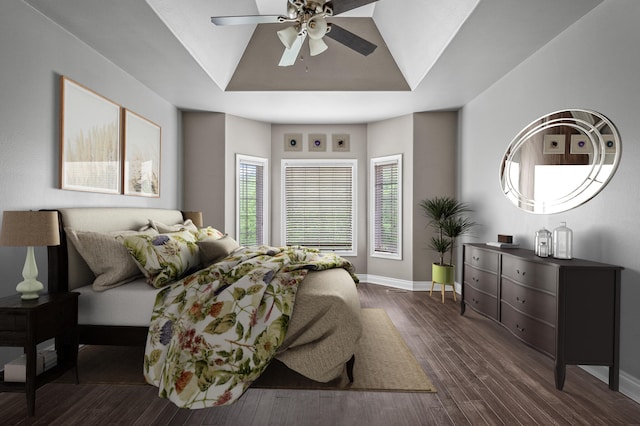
[196, 218]
[29, 229]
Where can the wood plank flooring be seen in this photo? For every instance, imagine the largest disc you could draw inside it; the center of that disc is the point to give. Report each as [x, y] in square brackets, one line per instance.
[483, 377]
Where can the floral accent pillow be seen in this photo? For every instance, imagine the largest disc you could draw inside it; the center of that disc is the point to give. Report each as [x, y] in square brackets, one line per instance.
[162, 228]
[164, 258]
[208, 233]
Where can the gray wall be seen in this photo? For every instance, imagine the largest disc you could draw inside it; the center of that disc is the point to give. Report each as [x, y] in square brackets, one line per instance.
[211, 141]
[391, 137]
[35, 52]
[434, 175]
[593, 65]
[203, 140]
[248, 137]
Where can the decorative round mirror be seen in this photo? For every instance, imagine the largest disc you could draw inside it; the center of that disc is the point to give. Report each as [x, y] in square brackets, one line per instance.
[560, 161]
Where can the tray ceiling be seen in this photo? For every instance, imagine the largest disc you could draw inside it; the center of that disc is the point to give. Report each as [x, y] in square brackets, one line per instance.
[434, 54]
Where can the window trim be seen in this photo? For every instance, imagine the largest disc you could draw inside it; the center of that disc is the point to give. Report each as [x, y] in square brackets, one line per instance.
[258, 161]
[389, 159]
[353, 163]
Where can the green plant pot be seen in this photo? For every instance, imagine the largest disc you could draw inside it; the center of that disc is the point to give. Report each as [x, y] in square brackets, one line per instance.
[442, 274]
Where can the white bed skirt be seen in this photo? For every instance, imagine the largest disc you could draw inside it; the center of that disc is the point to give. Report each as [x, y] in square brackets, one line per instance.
[130, 304]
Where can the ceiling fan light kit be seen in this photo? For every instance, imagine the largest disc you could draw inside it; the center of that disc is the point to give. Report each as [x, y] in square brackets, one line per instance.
[309, 18]
[317, 46]
[288, 36]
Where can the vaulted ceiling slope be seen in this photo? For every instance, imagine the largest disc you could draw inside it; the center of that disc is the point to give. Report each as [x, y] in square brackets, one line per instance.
[433, 54]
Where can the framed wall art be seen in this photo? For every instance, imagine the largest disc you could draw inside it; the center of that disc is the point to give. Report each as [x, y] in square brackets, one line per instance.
[293, 142]
[142, 139]
[553, 144]
[581, 144]
[317, 142]
[340, 142]
[90, 144]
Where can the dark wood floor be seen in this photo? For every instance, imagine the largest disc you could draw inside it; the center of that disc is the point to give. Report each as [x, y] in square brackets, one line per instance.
[482, 374]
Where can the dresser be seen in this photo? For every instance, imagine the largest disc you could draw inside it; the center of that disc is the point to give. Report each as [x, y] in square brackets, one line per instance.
[566, 309]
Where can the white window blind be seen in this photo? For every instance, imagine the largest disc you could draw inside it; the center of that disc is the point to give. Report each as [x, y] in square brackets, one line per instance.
[386, 206]
[251, 200]
[319, 204]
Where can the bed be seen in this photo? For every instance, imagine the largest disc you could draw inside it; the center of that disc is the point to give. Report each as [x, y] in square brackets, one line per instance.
[322, 332]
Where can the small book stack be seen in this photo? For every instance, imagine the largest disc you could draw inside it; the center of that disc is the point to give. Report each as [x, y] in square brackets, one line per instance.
[16, 370]
[502, 245]
[504, 241]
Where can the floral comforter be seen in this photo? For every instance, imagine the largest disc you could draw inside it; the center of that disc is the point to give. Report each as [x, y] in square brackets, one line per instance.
[214, 332]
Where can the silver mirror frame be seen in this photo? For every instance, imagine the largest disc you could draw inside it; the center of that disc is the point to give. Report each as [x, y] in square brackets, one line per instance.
[588, 123]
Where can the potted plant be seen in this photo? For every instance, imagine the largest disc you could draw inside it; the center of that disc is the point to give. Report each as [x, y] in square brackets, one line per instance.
[447, 218]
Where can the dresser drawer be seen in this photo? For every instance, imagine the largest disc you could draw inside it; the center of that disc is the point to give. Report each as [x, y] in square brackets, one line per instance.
[530, 273]
[529, 301]
[532, 331]
[482, 259]
[481, 302]
[481, 280]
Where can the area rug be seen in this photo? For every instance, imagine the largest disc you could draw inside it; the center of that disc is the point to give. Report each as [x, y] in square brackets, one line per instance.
[383, 363]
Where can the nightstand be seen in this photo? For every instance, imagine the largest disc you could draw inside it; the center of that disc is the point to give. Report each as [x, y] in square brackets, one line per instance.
[26, 323]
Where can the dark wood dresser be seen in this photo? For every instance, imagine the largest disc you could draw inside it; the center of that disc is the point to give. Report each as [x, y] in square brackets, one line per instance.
[567, 309]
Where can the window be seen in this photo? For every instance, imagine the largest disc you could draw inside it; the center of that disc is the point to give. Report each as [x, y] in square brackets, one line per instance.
[251, 200]
[386, 207]
[319, 204]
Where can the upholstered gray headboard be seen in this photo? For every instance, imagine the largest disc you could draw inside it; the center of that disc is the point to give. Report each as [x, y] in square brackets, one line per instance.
[67, 269]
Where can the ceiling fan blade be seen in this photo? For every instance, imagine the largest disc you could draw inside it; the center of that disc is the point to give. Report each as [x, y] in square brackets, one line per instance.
[341, 6]
[290, 55]
[249, 19]
[351, 40]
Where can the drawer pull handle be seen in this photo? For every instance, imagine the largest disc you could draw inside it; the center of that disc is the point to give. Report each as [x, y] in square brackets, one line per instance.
[476, 258]
[523, 273]
[520, 329]
[474, 300]
[475, 279]
[520, 300]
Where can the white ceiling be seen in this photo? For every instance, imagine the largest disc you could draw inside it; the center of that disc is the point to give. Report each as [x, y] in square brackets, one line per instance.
[446, 51]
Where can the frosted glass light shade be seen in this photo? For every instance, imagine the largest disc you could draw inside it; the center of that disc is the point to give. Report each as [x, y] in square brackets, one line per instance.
[317, 46]
[317, 27]
[288, 36]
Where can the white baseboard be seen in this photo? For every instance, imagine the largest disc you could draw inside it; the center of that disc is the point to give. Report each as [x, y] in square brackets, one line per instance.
[404, 284]
[629, 385]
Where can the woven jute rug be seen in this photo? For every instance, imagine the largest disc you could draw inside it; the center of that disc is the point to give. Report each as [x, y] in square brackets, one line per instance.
[383, 363]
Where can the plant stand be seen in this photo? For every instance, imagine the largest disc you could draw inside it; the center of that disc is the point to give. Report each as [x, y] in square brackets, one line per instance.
[443, 275]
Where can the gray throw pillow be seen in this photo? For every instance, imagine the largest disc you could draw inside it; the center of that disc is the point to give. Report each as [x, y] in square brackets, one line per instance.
[212, 251]
[107, 258]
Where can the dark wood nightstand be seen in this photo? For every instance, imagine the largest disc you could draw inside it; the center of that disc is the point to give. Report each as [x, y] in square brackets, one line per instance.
[26, 323]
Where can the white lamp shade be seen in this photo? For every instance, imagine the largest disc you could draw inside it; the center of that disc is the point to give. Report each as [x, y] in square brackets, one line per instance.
[288, 36]
[317, 27]
[317, 46]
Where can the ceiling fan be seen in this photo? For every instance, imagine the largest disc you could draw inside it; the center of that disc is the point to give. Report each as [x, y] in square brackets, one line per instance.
[309, 18]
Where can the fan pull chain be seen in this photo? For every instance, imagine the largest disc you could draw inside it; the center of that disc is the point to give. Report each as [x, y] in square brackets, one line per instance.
[306, 67]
